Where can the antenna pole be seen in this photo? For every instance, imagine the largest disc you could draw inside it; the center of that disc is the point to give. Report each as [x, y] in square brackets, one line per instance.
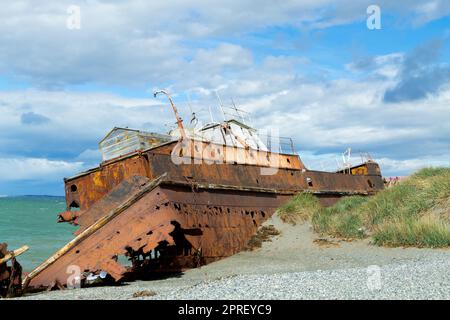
[189, 102]
[220, 105]
[179, 120]
[237, 111]
[210, 114]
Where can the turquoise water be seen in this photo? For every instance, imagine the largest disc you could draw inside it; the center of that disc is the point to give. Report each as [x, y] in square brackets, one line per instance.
[31, 220]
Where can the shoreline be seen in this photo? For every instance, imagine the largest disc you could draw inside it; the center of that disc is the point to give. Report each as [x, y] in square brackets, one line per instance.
[297, 264]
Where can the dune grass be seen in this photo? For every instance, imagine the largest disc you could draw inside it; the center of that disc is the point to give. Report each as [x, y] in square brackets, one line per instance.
[341, 220]
[427, 231]
[299, 209]
[415, 212]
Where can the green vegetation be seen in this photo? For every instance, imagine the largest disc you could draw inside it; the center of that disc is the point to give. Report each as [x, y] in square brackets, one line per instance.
[300, 208]
[415, 212]
[341, 220]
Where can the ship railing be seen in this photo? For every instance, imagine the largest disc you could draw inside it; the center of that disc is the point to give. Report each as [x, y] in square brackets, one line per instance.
[278, 144]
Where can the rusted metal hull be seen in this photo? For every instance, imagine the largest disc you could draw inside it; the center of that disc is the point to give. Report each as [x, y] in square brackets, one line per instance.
[167, 215]
[289, 174]
[164, 227]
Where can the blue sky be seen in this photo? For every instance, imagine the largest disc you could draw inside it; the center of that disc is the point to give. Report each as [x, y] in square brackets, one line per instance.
[310, 69]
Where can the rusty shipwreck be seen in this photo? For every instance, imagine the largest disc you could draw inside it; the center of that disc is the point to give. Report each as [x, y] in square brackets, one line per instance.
[165, 203]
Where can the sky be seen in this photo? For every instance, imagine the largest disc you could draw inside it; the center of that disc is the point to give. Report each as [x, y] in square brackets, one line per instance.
[311, 69]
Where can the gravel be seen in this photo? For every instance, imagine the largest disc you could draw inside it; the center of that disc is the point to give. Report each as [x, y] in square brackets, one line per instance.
[414, 280]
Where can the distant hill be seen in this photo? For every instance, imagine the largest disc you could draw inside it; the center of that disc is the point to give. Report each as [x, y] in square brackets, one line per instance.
[33, 196]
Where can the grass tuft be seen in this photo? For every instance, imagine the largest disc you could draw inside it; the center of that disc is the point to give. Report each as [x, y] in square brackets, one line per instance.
[341, 220]
[300, 208]
[428, 231]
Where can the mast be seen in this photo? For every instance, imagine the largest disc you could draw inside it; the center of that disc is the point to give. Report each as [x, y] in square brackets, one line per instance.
[179, 120]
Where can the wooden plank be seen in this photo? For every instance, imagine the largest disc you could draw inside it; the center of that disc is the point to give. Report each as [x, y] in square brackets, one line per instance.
[13, 254]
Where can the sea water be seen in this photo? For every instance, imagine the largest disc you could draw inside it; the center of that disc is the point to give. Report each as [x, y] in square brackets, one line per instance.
[31, 221]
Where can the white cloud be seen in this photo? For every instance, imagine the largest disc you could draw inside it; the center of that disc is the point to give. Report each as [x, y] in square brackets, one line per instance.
[93, 156]
[136, 42]
[387, 66]
[394, 167]
[15, 169]
[78, 114]
[225, 55]
[430, 10]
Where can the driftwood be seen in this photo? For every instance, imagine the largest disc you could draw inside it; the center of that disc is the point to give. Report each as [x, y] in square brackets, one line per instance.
[13, 254]
[10, 275]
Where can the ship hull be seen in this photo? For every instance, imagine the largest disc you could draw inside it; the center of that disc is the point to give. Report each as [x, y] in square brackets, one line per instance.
[168, 228]
[166, 215]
